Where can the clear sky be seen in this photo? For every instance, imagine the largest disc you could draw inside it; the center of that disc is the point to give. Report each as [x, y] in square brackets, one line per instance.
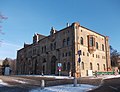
[26, 17]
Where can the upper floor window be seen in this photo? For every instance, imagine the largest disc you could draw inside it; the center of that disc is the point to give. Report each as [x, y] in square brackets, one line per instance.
[55, 45]
[91, 41]
[96, 45]
[66, 54]
[82, 65]
[102, 47]
[87, 54]
[68, 41]
[64, 42]
[69, 53]
[34, 51]
[62, 54]
[93, 55]
[83, 53]
[81, 40]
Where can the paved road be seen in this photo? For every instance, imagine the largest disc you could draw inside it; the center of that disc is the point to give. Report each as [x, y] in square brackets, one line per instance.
[18, 84]
[108, 85]
[26, 83]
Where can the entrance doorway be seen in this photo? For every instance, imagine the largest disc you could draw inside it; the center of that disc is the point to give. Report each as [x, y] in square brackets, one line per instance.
[53, 65]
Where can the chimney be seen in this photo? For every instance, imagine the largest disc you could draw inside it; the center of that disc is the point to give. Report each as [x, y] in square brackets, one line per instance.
[68, 25]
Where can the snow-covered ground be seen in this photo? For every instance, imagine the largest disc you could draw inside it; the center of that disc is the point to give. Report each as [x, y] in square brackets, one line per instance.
[66, 88]
[50, 76]
[3, 83]
[111, 76]
[62, 88]
[106, 76]
[19, 81]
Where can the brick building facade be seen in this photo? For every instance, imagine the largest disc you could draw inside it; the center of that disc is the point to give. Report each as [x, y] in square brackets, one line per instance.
[44, 54]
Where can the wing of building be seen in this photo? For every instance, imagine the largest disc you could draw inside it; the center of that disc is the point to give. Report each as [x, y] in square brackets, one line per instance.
[74, 50]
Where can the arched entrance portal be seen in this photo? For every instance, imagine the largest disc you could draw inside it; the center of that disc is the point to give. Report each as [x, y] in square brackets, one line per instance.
[53, 64]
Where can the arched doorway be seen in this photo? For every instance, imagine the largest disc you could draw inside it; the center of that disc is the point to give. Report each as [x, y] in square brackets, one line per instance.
[53, 64]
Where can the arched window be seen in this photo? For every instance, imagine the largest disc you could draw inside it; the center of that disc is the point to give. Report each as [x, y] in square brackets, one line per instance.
[64, 66]
[96, 45]
[82, 65]
[98, 66]
[102, 47]
[64, 42]
[91, 66]
[68, 41]
[81, 40]
[104, 66]
[68, 66]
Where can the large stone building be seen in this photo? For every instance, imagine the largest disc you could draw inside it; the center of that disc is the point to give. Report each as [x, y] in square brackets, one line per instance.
[65, 48]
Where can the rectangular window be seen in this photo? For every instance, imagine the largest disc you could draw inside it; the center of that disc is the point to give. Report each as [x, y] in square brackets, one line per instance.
[42, 49]
[45, 48]
[66, 54]
[54, 45]
[91, 41]
[69, 53]
[102, 47]
[63, 54]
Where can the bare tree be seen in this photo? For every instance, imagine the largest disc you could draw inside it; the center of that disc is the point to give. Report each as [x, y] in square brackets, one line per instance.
[115, 55]
[2, 17]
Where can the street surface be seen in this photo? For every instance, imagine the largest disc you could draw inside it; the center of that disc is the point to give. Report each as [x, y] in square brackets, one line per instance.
[27, 83]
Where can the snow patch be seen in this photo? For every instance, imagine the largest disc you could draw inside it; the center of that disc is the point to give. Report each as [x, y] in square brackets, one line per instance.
[3, 83]
[50, 76]
[106, 77]
[111, 76]
[65, 88]
[22, 82]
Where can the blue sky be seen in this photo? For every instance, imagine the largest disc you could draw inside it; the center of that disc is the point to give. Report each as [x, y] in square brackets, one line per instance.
[26, 17]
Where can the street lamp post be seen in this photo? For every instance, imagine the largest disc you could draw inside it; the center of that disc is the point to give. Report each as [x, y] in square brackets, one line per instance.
[79, 60]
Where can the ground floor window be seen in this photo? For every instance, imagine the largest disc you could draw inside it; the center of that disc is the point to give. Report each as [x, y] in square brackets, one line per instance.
[104, 66]
[91, 66]
[98, 66]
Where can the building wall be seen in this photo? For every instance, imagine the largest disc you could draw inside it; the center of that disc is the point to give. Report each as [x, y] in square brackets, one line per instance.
[62, 47]
[42, 53]
[97, 57]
